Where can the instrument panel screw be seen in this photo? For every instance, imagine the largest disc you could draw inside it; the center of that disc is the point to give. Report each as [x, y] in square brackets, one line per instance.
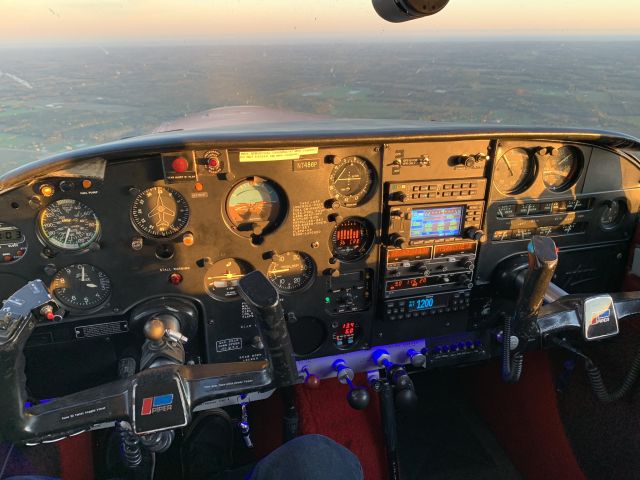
[315, 244]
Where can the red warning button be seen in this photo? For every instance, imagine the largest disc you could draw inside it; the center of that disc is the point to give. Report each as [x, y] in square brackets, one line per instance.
[180, 165]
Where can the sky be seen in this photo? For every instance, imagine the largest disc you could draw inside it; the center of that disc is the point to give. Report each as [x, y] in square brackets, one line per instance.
[297, 20]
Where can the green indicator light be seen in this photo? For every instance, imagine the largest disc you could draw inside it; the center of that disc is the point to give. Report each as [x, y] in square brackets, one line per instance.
[327, 299]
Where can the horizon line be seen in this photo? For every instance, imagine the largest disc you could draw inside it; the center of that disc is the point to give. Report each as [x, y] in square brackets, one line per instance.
[314, 40]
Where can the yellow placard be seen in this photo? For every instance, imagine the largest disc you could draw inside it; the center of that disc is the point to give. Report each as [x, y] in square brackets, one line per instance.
[276, 155]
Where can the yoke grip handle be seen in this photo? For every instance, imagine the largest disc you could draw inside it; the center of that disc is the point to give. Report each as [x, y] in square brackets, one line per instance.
[264, 301]
[543, 260]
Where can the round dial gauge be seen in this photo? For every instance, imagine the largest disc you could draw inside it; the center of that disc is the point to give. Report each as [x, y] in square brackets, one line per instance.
[350, 181]
[611, 215]
[160, 212]
[255, 206]
[514, 171]
[81, 287]
[291, 271]
[347, 335]
[13, 244]
[351, 239]
[560, 170]
[221, 279]
[68, 224]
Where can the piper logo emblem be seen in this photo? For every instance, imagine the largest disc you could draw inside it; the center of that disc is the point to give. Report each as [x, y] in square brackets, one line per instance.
[602, 317]
[160, 403]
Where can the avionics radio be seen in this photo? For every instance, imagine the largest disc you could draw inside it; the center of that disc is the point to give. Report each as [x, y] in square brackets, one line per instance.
[431, 249]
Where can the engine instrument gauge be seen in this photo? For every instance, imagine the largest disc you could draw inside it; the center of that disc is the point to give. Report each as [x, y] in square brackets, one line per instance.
[81, 287]
[221, 279]
[68, 225]
[255, 206]
[352, 239]
[291, 271]
[350, 181]
[160, 212]
[612, 213]
[13, 244]
[347, 334]
[514, 171]
[561, 168]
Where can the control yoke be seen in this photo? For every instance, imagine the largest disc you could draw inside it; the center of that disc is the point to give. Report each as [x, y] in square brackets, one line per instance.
[595, 317]
[152, 400]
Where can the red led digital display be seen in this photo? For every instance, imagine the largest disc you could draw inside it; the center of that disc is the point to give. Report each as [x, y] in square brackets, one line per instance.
[348, 328]
[406, 283]
[348, 236]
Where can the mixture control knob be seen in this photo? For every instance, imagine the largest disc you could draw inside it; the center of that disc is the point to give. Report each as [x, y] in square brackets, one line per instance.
[398, 196]
[476, 234]
[397, 240]
[310, 380]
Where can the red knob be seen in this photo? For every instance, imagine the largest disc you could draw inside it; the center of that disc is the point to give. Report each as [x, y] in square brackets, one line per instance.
[175, 278]
[310, 380]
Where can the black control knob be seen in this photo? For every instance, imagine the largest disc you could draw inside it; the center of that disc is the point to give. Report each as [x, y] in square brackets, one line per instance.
[467, 161]
[346, 299]
[476, 234]
[398, 196]
[423, 269]
[406, 398]
[397, 240]
[358, 398]
[467, 264]
[463, 279]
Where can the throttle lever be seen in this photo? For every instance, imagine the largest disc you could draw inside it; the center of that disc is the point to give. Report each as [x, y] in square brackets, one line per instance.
[358, 397]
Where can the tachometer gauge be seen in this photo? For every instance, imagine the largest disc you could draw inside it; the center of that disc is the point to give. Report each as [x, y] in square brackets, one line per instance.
[160, 212]
[255, 206]
[68, 225]
[351, 239]
[13, 244]
[561, 168]
[514, 171]
[81, 287]
[350, 181]
[291, 271]
[221, 279]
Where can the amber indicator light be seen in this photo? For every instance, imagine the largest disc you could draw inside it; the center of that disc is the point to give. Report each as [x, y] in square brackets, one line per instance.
[454, 249]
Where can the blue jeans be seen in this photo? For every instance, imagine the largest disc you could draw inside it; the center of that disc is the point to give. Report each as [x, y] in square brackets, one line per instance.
[310, 457]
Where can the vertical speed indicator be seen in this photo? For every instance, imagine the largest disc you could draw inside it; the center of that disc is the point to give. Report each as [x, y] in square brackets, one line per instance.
[291, 271]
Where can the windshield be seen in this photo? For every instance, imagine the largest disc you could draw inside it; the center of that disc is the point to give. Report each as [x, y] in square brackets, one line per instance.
[76, 73]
